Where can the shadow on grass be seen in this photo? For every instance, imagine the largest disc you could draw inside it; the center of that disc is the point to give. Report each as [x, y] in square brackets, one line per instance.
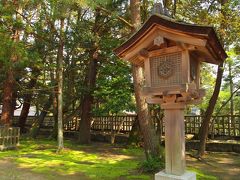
[201, 175]
[217, 165]
[98, 161]
[41, 157]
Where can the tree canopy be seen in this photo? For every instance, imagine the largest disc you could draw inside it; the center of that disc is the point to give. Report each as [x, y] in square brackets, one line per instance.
[31, 31]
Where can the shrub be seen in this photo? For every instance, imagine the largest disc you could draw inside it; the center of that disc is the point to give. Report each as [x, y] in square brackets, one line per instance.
[152, 165]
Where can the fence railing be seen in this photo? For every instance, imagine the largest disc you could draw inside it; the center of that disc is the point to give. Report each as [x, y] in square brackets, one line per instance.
[113, 123]
[221, 125]
[9, 137]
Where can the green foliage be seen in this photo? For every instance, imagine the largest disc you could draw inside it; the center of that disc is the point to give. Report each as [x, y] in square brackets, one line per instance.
[114, 88]
[225, 18]
[37, 47]
[152, 165]
[207, 83]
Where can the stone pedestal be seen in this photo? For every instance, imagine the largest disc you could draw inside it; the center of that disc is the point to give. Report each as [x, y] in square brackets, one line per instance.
[186, 176]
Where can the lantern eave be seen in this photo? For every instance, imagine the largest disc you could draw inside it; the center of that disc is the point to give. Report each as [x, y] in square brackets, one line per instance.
[203, 37]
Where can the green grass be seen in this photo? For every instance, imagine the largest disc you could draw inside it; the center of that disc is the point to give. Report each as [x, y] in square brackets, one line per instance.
[41, 157]
[91, 162]
[201, 175]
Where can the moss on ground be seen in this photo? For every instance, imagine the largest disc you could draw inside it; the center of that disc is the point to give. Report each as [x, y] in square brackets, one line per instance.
[201, 175]
[41, 157]
[99, 161]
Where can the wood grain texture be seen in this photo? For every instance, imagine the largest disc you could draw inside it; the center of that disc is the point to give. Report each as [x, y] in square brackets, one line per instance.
[174, 138]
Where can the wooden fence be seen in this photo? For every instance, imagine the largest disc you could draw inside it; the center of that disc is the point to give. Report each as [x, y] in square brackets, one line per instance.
[9, 137]
[113, 123]
[221, 125]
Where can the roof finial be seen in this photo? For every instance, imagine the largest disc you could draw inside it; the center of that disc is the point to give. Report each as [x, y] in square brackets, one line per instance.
[159, 9]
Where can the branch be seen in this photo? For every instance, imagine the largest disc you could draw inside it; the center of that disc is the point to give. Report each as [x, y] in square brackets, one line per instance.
[224, 104]
[118, 17]
[32, 26]
[211, 4]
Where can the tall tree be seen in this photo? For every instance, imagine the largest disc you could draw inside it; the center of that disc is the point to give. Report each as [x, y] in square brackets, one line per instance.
[230, 77]
[224, 15]
[151, 144]
[60, 85]
[203, 133]
[35, 129]
[90, 84]
[27, 101]
[8, 85]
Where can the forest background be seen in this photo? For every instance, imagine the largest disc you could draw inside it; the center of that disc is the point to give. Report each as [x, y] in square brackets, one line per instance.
[59, 53]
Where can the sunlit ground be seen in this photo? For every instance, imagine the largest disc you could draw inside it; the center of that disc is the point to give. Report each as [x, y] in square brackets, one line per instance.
[38, 160]
[221, 165]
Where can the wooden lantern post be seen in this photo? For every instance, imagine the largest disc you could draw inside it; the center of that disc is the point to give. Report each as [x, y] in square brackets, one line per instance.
[174, 138]
[171, 54]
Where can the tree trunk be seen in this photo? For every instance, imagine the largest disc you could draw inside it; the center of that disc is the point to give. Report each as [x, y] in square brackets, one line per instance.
[8, 87]
[90, 84]
[36, 127]
[54, 102]
[151, 144]
[158, 113]
[203, 133]
[14, 100]
[7, 99]
[232, 111]
[54, 134]
[135, 135]
[27, 102]
[231, 90]
[86, 103]
[60, 87]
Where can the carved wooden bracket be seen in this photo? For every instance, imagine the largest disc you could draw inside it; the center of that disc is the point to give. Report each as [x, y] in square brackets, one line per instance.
[158, 40]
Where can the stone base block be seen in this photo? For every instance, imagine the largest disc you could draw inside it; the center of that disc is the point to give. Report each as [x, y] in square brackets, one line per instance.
[186, 176]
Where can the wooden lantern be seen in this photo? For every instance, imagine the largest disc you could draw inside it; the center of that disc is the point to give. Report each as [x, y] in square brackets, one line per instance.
[171, 54]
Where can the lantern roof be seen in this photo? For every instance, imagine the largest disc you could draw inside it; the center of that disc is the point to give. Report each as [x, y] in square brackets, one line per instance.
[201, 41]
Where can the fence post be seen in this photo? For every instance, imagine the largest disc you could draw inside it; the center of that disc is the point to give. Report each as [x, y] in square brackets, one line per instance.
[112, 129]
[234, 125]
[9, 137]
[212, 127]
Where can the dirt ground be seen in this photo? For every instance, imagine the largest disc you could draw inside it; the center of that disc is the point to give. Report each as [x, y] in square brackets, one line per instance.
[225, 166]
[11, 171]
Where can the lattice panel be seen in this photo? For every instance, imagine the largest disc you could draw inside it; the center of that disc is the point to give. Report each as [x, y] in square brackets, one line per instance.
[166, 70]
